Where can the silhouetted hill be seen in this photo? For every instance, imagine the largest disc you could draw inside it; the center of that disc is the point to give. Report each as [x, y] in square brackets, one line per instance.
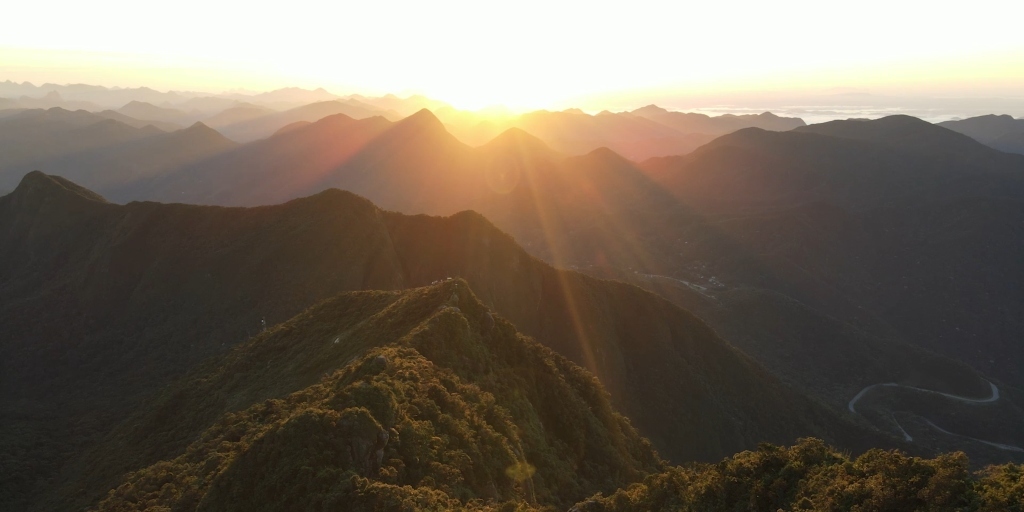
[124, 158]
[140, 293]
[53, 99]
[36, 188]
[906, 133]
[236, 114]
[265, 125]
[920, 233]
[1000, 132]
[31, 137]
[291, 97]
[401, 107]
[575, 132]
[285, 166]
[688, 122]
[848, 163]
[139, 123]
[143, 110]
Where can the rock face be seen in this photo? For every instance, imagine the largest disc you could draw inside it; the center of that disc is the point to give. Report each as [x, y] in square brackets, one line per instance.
[486, 322]
[382, 442]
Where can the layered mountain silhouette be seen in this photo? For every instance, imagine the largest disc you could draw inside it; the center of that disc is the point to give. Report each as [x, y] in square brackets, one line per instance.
[98, 150]
[1000, 132]
[254, 128]
[236, 114]
[30, 137]
[853, 232]
[148, 111]
[143, 292]
[637, 135]
[919, 226]
[139, 123]
[689, 122]
[52, 99]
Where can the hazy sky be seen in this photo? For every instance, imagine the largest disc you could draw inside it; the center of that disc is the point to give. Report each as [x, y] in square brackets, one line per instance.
[522, 53]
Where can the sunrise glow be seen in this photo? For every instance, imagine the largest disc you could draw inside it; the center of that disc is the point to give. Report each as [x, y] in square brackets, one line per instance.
[525, 56]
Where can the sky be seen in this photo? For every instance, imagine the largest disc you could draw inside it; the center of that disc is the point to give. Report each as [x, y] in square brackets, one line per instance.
[524, 54]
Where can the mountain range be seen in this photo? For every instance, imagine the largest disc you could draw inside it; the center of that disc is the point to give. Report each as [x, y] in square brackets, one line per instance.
[643, 133]
[884, 239]
[363, 387]
[359, 307]
[98, 149]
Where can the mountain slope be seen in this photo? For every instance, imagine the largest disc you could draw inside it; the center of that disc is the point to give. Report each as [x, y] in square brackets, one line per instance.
[908, 134]
[143, 110]
[857, 164]
[576, 133]
[1000, 132]
[236, 114]
[139, 123]
[114, 168]
[140, 293]
[910, 230]
[688, 122]
[287, 165]
[850, 239]
[264, 126]
[421, 388]
[30, 137]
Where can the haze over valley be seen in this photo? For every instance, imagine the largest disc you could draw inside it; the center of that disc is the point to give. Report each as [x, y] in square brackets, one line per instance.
[469, 266]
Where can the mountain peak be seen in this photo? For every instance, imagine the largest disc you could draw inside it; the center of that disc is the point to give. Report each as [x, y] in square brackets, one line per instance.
[198, 126]
[423, 117]
[37, 186]
[137, 103]
[518, 137]
[903, 131]
[519, 144]
[421, 123]
[650, 110]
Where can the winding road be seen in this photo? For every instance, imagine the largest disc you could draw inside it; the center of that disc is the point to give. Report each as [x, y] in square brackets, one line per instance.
[992, 398]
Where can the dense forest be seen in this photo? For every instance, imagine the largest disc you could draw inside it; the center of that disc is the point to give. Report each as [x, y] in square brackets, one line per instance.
[813, 476]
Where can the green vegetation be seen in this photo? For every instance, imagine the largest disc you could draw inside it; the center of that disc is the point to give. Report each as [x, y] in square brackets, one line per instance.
[813, 476]
[444, 410]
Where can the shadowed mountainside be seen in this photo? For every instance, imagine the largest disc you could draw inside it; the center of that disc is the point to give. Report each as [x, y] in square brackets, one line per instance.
[1000, 132]
[908, 221]
[637, 135]
[142, 292]
[143, 110]
[98, 150]
[810, 225]
[259, 127]
[688, 122]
